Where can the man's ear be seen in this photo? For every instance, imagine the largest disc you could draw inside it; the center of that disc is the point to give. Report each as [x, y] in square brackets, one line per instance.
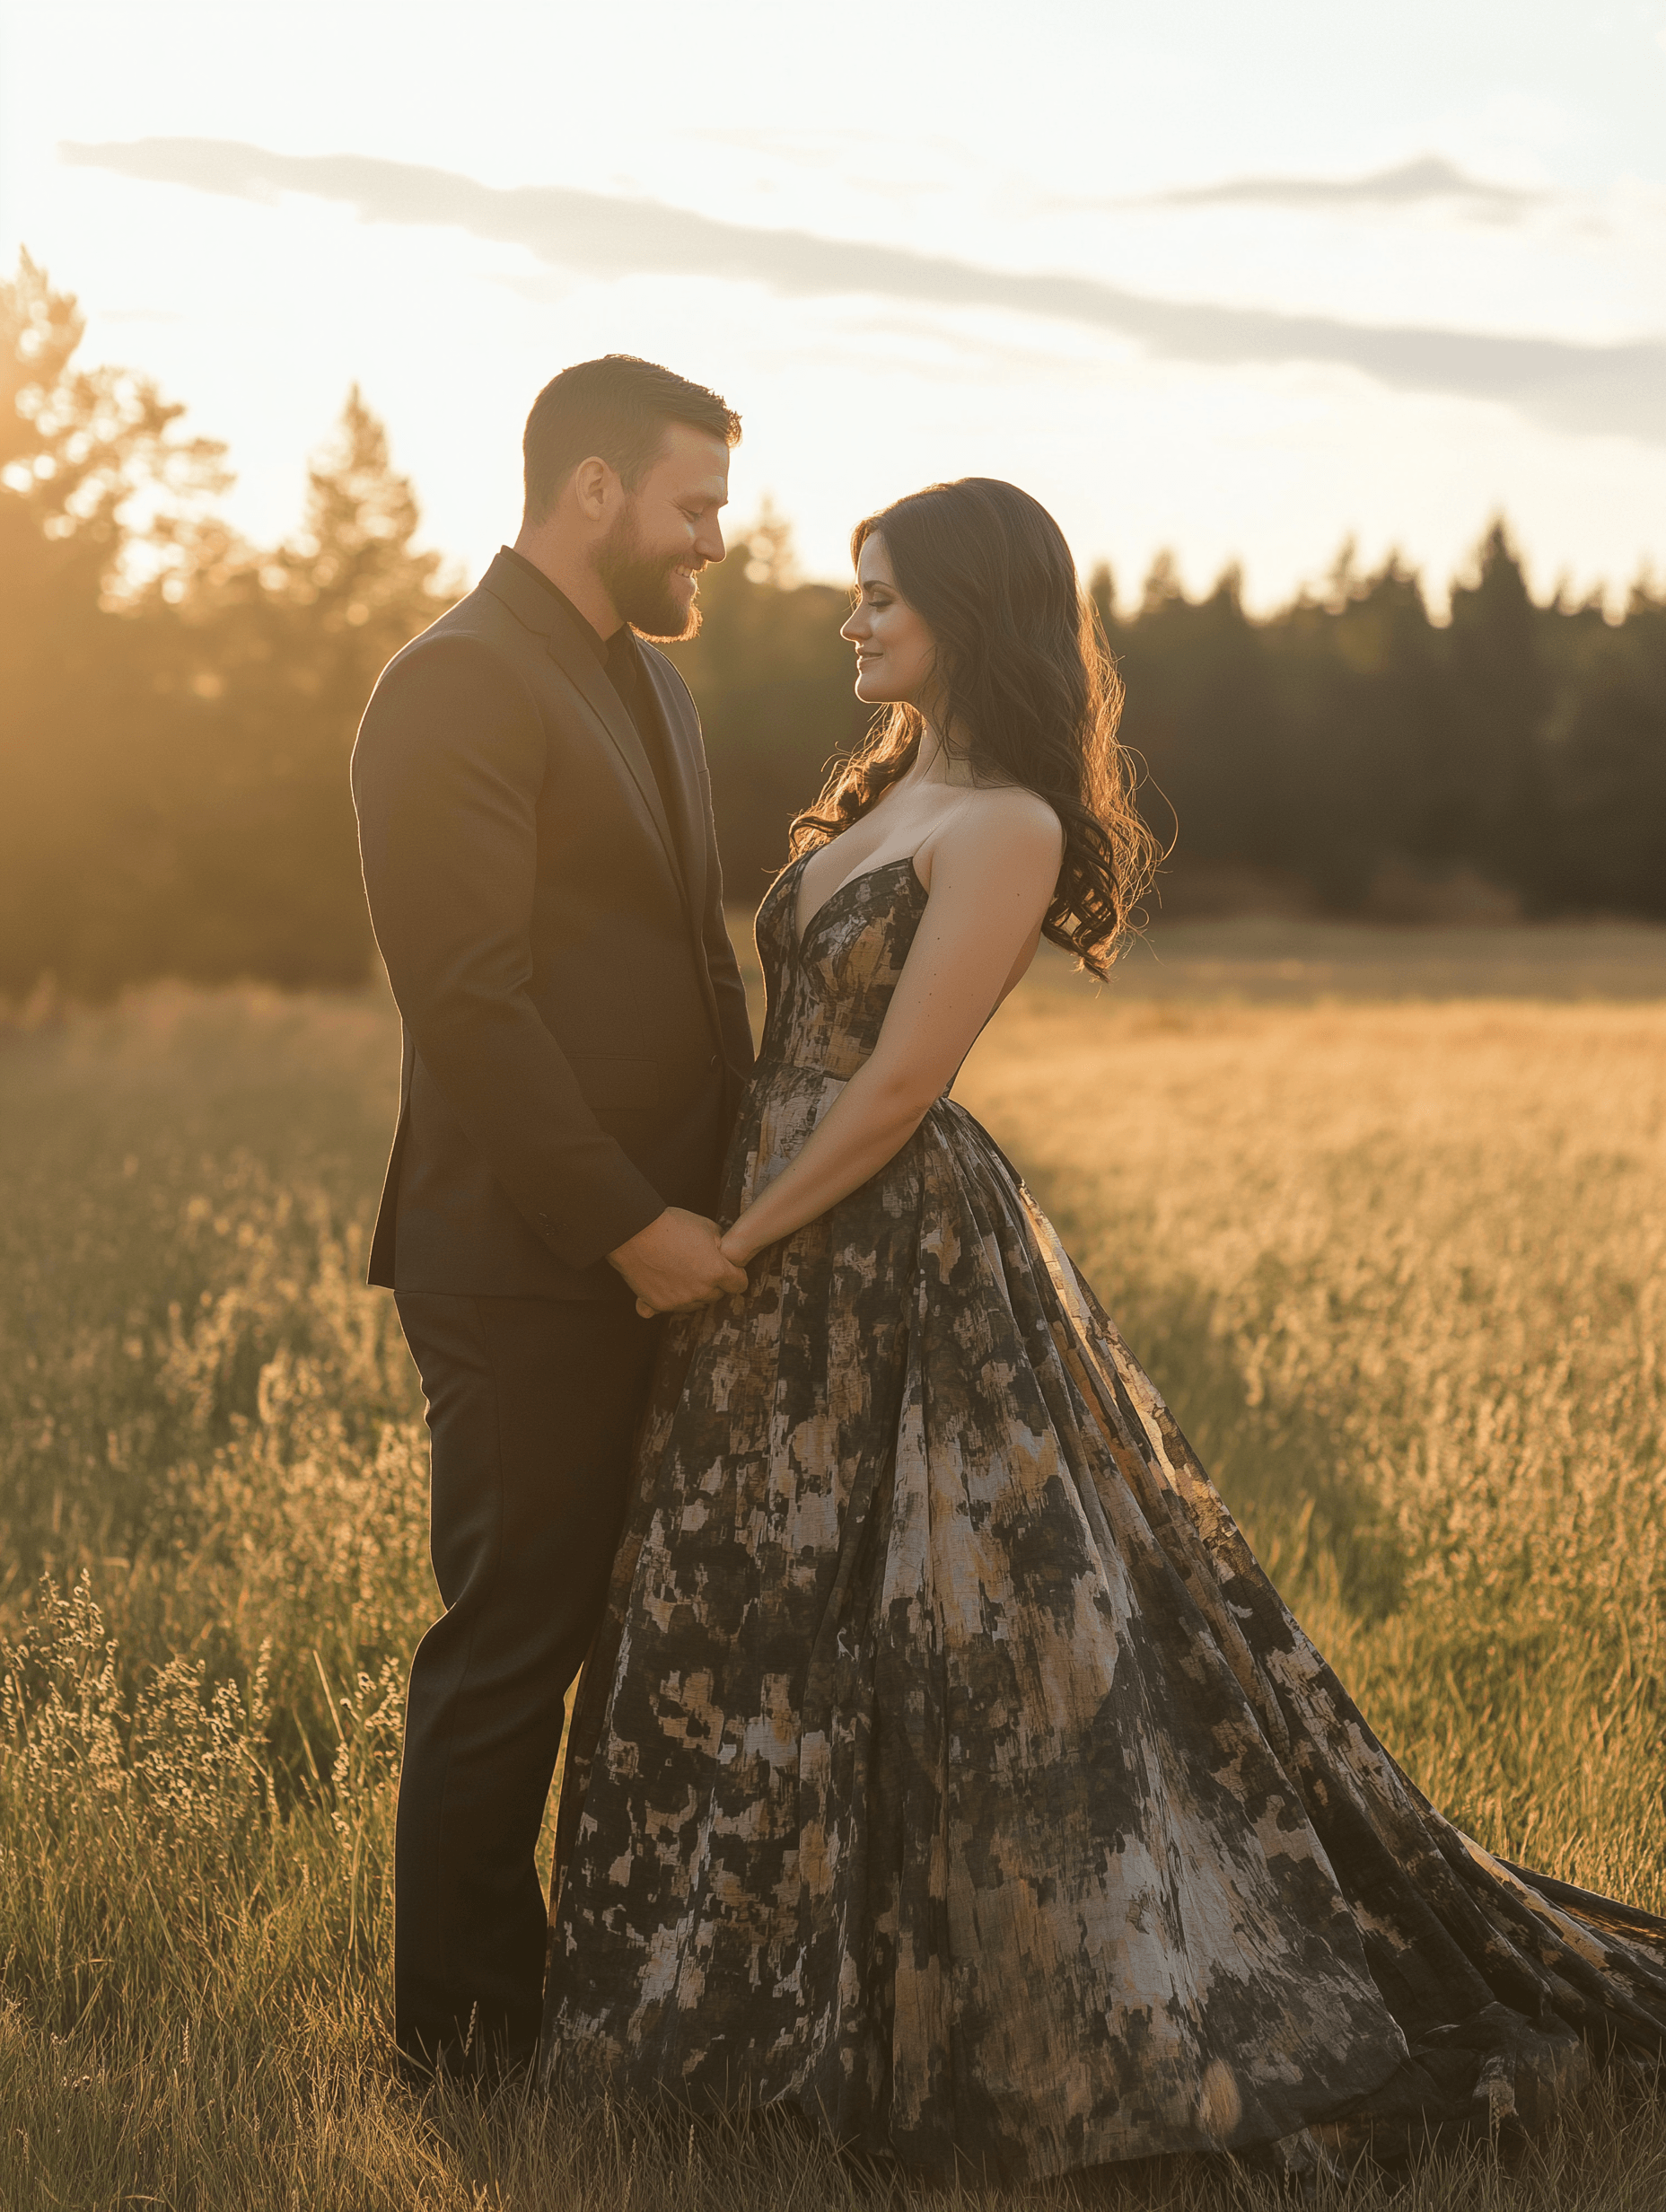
[593, 485]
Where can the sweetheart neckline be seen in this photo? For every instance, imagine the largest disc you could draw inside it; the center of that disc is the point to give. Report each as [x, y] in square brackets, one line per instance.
[801, 938]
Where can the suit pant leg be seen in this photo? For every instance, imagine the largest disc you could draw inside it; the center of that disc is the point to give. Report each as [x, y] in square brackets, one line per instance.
[533, 1405]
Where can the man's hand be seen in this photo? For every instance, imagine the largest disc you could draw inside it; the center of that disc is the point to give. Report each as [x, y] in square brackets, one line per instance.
[674, 1265]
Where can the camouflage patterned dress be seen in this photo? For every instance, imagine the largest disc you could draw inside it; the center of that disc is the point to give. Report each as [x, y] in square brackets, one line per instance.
[948, 1769]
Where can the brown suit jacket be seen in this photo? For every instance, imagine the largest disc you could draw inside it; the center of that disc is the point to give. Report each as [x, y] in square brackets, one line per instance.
[576, 1029]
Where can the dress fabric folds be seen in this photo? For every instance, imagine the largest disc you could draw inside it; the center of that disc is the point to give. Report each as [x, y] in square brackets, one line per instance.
[946, 1767]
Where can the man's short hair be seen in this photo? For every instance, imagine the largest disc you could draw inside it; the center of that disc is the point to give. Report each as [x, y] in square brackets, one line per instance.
[618, 409]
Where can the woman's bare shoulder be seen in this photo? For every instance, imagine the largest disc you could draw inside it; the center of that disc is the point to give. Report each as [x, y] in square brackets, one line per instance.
[1007, 815]
[1000, 835]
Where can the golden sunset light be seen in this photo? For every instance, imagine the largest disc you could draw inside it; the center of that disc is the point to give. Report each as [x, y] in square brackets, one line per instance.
[832, 1106]
[1236, 283]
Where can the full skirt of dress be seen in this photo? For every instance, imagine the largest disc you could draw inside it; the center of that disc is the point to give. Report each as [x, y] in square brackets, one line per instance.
[948, 1769]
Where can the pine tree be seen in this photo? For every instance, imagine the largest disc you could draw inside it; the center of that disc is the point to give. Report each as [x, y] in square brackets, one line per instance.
[1497, 815]
[285, 650]
[80, 449]
[176, 709]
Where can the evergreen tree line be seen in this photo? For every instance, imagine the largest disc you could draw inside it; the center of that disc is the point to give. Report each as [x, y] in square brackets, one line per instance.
[176, 709]
[1362, 758]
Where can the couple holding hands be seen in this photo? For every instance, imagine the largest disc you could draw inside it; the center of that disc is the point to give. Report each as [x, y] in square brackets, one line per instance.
[943, 1765]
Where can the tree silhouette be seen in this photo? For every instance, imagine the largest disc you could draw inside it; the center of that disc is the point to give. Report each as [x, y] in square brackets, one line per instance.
[78, 449]
[276, 654]
[1498, 813]
[177, 707]
[775, 680]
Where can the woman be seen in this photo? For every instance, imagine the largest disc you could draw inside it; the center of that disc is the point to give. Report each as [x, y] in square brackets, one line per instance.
[947, 1768]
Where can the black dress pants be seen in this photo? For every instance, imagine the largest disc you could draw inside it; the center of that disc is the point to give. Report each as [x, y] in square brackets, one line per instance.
[533, 1405]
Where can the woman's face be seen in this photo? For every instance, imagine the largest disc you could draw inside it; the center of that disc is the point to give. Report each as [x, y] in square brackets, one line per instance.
[896, 653]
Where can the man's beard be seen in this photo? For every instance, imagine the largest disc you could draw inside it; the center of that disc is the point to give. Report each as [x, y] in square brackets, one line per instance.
[639, 585]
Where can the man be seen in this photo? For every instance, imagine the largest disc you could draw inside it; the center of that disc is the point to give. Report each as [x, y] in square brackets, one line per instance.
[536, 827]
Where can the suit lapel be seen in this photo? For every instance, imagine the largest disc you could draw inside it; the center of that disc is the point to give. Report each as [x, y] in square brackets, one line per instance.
[677, 719]
[572, 654]
[684, 755]
[575, 660]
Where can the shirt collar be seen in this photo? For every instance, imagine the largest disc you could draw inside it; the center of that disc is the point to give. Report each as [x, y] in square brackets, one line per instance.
[603, 647]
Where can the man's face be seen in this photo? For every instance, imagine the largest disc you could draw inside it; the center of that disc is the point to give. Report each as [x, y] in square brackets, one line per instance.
[667, 530]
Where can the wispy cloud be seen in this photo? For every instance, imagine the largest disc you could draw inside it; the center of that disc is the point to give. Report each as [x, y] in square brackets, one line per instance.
[1411, 184]
[1615, 388]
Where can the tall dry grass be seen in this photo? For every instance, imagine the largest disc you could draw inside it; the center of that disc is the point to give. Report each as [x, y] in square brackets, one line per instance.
[1397, 1266]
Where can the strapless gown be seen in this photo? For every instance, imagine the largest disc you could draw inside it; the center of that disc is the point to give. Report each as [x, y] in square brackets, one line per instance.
[947, 1768]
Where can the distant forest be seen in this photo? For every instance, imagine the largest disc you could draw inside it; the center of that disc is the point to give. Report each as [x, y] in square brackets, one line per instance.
[176, 709]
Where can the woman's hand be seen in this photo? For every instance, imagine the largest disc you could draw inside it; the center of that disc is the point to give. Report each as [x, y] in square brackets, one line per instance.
[675, 1265]
[734, 1246]
[731, 1245]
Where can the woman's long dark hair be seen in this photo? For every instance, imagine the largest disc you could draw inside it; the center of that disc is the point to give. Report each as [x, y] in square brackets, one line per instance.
[1024, 688]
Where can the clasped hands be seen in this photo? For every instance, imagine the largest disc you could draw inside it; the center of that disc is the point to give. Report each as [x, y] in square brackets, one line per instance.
[678, 1264]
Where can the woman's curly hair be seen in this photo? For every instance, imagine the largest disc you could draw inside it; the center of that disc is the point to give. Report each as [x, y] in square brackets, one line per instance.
[1025, 690]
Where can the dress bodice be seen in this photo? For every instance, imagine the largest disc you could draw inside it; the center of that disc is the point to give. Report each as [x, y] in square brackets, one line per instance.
[828, 997]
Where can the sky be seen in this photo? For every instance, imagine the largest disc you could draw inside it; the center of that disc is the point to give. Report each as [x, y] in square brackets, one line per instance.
[1234, 282]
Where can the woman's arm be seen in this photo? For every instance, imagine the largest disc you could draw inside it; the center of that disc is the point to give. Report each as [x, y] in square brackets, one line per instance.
[993, 867]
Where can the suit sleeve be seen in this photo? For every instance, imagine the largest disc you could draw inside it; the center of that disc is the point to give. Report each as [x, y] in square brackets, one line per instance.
[447, 776]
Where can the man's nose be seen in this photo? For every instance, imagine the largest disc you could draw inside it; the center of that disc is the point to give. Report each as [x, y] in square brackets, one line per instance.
[709, 543]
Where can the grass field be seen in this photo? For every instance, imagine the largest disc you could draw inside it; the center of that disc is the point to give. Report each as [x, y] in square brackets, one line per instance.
[1385, 1217]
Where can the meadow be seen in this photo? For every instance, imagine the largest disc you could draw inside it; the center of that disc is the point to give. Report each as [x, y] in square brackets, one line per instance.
[1385, 1217]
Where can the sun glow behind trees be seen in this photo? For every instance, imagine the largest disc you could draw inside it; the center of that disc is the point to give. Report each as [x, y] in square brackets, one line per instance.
[178, 707]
